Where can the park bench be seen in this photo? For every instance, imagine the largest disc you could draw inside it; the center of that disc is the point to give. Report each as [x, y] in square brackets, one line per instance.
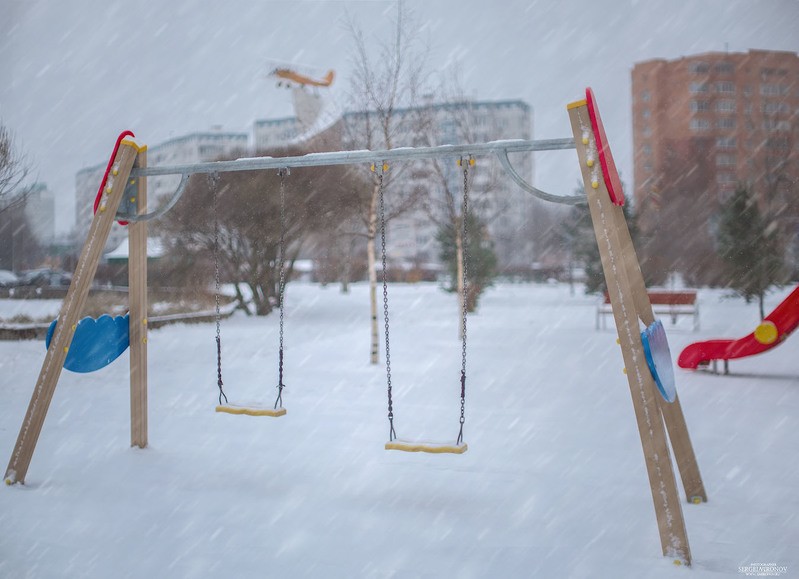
[671, 303]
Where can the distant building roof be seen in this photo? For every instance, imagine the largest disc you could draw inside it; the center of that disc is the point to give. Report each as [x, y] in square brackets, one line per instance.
[155, 249]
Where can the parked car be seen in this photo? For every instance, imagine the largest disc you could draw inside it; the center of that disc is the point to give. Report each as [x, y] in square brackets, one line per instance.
[45, 277]
[8, 278]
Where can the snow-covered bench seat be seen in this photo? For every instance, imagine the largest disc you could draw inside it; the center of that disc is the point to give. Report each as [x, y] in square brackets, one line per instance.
[671, 303]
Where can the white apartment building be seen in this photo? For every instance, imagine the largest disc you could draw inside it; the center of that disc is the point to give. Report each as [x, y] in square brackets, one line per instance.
[40, 213]
[506, 209]
[271, 133]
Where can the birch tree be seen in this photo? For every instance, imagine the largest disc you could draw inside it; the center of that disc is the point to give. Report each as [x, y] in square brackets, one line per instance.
[388, 74]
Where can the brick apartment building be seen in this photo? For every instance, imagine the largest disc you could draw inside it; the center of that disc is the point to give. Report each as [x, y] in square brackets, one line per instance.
[702, 125]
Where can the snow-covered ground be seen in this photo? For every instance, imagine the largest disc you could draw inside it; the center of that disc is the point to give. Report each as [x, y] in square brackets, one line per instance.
[33, 309]
[553, 483]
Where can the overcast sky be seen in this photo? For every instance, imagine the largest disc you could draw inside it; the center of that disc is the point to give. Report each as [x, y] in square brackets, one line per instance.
[73, 74]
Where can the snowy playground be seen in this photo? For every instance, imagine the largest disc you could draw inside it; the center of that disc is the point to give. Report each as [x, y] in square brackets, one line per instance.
[553, 483]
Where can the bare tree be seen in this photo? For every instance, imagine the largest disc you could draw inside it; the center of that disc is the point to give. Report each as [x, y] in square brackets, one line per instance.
[14, 171]
[778, 193]
[18, 247]
[676, 236]
[241, 216]
[391, 77]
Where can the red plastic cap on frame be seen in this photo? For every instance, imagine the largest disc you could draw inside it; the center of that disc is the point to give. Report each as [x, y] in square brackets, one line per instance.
[609, 171]
[99, 195]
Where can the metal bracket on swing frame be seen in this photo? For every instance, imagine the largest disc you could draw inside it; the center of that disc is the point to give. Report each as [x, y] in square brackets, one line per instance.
[499, 148]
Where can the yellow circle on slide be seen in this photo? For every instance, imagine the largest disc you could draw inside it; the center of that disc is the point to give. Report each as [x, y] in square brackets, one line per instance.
[766, 333]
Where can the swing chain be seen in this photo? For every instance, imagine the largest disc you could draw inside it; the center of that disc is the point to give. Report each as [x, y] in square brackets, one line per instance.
[381, 203]
[282, 283]
[464, 297]
[213, 182]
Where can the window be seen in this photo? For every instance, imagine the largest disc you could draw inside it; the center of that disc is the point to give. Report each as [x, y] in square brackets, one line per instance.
[645, 96]
[773, 72]
[700, 125]
[725, 87]
[725, 142]
[772, 108]
[647, 132]
[725, 178]
[775, 125]
[725, 160]
[698, 87]
[776, 163]
[725, 106]
[646, 113]
[726, 123]
[778, 143]
[724, 68]
[700, 106]
[207, 151]
[699, 68]
[773, 89]
[647, 149]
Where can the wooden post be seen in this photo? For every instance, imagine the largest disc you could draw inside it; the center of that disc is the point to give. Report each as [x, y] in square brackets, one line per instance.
[70, 312]
[137, 296]
[630, 303]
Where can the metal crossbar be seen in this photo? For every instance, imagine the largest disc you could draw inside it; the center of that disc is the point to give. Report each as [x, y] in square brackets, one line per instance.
[499, 148]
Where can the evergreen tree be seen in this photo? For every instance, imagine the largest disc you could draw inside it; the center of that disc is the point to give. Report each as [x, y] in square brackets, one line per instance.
[749, 247]
[482, 261]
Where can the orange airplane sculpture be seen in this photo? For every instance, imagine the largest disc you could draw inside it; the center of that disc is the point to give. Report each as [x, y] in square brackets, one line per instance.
[292, 76]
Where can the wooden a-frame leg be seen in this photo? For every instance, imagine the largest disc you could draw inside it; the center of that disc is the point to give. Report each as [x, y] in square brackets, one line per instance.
[663, 485]
[137, 296]
[684, 454]
[68, 316]
[672, 412]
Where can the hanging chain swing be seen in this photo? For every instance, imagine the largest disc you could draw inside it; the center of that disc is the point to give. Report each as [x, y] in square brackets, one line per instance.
[392, 435]
[432, 447]
[465, 284]
[251, 409]
[282, 284]
[213, 181]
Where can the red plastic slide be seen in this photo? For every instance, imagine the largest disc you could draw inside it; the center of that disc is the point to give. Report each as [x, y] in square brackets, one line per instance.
[777, 326]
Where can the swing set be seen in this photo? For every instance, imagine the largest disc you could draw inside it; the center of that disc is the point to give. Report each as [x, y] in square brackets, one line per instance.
[646, 356]
[250, 409]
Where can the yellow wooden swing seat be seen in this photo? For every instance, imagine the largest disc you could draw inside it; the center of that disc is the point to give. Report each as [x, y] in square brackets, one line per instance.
[430, 447]
[250, 410]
